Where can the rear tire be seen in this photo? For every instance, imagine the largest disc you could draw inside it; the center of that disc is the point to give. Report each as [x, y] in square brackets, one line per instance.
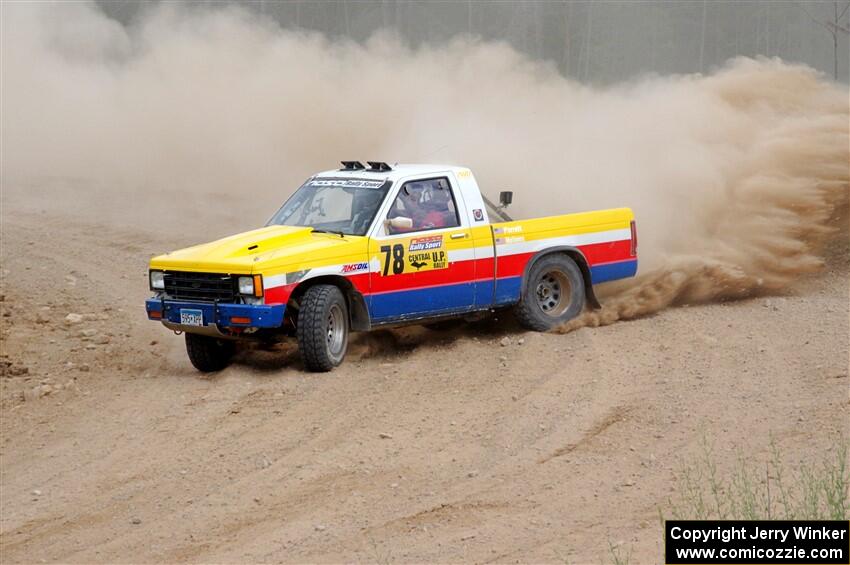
[554, 294]
[209, 354]
[323, 328]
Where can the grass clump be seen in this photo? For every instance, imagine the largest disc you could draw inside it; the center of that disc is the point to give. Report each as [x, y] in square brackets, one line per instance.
[816, 490]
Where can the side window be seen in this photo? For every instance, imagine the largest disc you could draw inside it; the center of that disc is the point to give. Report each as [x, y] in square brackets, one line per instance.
[429, 204]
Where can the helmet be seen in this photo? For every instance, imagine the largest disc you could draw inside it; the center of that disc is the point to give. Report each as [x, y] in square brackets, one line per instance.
[411, 196]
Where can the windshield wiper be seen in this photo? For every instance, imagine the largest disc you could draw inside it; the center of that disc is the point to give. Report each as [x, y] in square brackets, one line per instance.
[337, 232]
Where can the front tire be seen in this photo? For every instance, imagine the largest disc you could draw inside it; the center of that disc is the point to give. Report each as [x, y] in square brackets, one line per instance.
[553, 295]
[323, 328]
[209, 354]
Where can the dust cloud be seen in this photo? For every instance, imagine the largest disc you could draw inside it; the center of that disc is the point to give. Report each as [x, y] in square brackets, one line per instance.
[779, 189]
[734, 176]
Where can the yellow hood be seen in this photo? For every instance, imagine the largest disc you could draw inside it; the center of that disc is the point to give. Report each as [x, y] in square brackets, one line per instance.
[247, 252]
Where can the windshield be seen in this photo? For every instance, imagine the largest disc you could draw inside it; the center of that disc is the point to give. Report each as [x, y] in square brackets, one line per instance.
[337, 205]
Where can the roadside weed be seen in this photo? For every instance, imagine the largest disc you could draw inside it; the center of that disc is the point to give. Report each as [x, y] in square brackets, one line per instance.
[816, 490]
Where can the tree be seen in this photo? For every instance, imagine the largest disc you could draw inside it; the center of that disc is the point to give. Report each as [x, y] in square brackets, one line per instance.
[834, 28]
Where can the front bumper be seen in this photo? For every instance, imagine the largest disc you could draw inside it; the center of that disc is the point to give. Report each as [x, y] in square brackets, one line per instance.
[222, 315]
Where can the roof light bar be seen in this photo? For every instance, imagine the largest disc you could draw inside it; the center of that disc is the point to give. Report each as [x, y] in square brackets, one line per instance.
[379, 166]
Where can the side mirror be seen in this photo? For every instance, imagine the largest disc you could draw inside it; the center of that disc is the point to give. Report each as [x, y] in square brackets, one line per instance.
[505, 198]
[399, 223]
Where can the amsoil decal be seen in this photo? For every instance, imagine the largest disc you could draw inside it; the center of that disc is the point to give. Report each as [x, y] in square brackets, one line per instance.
[425, 243]
[354, 267]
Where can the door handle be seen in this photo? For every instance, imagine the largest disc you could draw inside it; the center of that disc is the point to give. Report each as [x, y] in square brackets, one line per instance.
[459, 235]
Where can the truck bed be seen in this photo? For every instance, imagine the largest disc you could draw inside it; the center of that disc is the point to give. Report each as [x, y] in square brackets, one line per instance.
[605, 239]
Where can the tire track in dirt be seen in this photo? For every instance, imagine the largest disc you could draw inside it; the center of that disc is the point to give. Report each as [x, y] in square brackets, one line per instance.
[617, 415]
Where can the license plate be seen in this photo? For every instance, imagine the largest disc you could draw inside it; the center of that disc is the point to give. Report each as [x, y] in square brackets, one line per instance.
[192, 317]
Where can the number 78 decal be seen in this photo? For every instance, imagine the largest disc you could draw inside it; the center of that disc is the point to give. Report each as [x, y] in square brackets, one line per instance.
[396, 258]
[397, 251]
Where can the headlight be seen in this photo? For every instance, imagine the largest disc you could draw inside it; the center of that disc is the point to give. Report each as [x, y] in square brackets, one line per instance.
[157, 280]
[251, 286]
[246, 285]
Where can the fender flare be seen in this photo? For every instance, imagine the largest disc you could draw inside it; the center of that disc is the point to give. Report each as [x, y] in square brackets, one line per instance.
[358, 312]
[576, 255]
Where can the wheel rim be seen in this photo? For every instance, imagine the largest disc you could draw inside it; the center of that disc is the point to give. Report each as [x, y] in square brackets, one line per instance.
[553, 293]
[336, 330]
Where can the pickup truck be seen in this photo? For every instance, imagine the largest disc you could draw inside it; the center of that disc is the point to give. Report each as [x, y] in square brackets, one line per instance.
[363, 247]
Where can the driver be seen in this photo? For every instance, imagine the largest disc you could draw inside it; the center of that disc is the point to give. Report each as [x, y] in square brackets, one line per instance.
[426, 204]
[438, 211]
[408, 204]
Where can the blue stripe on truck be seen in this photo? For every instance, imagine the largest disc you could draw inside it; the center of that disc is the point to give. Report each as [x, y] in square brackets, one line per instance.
[421, 301]
[613, 271]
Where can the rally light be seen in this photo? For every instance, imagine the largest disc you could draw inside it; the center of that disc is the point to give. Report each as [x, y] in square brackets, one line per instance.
[157, 280]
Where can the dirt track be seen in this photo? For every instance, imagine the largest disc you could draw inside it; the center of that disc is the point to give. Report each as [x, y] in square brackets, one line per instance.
[550, 447]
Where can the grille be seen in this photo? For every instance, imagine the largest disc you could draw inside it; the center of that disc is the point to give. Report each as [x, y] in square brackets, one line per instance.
[200, 286]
